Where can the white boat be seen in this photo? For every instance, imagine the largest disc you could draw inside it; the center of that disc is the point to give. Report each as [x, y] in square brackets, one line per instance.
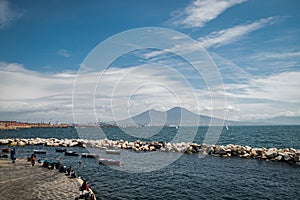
[88, 155]
[227, 128]
[39, 151]
[108, 161]
[71, 153]
[174, 126]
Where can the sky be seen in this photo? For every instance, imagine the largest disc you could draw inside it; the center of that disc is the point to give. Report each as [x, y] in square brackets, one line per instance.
[254, 47]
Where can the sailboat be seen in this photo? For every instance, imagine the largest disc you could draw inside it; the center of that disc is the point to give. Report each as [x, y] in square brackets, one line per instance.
[226, 127]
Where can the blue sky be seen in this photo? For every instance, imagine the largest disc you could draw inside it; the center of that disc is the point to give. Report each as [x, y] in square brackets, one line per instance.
[255, 45]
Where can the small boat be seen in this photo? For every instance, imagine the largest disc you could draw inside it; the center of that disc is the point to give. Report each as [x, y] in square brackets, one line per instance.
[60, 150]
[39, 151]
[87, 155]
[71, 153]
[3, 156]
[5, 150]
[174, 126]
[108, 161]
[111, 151]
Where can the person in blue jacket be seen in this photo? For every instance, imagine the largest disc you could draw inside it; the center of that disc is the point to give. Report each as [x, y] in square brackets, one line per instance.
[13, 155]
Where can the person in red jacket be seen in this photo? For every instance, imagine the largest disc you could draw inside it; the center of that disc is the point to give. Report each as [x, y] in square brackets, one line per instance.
[84, 186]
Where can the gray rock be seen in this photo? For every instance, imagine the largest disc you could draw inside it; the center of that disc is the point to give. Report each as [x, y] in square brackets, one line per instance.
[278, 158]
[220, 151]
[209, 150]
[246, 155]
[287, 158]
[271, 153]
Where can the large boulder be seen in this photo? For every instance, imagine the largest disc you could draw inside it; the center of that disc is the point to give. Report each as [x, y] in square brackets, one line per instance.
[196, 147]
[271, 153]
[253, 152]
[209, 150]
[152, 148]
[287, 157]
[221, 151]
[248, 149]
[21, 143]
[189, 150]
[245, 155]
[278, 158]
[13, 144]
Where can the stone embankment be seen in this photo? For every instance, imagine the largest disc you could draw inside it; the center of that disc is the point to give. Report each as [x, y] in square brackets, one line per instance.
[289, 155]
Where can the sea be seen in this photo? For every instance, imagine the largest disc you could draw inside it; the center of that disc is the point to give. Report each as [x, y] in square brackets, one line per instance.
[188, 176]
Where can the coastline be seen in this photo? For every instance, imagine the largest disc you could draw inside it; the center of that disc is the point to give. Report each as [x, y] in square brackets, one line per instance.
[22, 181]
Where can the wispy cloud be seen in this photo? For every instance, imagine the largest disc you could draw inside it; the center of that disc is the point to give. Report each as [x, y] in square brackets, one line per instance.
[200, 12]
[266, 96]
[266, 62]
[226, 36]
[280, 87]
[63, 53]
[7, 14]
[277, 55]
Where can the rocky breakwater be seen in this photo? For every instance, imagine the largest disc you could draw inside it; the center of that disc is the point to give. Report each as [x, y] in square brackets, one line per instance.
[270, 154]
[289, 155]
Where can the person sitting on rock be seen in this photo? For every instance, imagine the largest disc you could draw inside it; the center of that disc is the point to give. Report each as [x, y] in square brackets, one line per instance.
[84, 186]
[58, 166]
[73, 174]
[69, 170]
[62, 169]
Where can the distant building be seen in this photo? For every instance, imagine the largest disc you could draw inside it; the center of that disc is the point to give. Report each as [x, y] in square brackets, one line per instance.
[7, 125]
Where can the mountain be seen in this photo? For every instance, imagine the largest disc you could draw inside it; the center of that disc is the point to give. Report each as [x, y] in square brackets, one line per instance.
[175, 116]
[181, 116]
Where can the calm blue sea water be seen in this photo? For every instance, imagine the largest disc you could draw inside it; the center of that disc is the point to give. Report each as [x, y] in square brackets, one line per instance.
[188, 177]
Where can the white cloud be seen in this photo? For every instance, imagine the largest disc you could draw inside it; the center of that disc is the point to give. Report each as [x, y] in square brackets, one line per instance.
[126, 92]
[63, 53]
[31, 95]
[229, 108]
[226, 36]
[266, 97]
[281, 87]
[7, 15]
[276, 55]
[200, 12]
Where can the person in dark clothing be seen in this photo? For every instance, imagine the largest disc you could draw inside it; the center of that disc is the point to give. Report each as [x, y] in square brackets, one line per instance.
[32, 159]
[13, 155]
[84, 186]
[69, 170]
[62, 169]
[73, 174]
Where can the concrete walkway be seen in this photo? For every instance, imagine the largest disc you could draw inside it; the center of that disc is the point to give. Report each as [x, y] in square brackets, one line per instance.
[22, 181]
